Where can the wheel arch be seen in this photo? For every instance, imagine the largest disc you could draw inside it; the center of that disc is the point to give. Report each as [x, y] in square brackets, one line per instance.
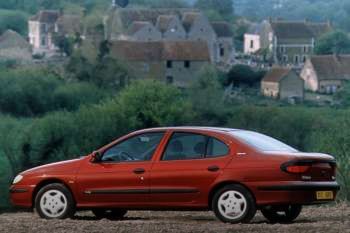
[48, 181]
[223, 184]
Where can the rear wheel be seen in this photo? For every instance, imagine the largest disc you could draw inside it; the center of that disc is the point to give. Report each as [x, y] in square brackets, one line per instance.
[234, 204]
[113, 214]
[281, 214]
[55, 201]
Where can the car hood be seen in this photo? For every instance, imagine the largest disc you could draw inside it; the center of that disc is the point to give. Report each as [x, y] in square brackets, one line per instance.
[64, 166]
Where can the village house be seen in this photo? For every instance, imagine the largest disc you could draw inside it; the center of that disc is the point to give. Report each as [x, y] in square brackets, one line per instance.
[252, 40]
[43, 26]
[172, 62]
[14, 47]
[289, 42]
[282, 83]
[326, 73]
[143, 25]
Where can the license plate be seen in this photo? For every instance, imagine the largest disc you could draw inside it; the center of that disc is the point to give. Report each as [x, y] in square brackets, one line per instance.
[324, 195]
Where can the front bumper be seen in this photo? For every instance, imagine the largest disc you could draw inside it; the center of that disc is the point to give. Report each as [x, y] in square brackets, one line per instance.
[303, 193]
[21, 195]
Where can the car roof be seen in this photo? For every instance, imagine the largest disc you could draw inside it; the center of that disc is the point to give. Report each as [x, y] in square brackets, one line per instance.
[189, 128]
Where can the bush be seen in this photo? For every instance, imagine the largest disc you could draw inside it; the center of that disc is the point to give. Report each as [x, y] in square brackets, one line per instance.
[243, 74]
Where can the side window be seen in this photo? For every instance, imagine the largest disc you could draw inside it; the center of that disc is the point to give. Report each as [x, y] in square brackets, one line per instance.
[184, 146]
[137, 148]
[216, 148]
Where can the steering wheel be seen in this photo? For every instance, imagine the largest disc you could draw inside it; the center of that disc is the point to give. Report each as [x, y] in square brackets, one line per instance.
[124, 155]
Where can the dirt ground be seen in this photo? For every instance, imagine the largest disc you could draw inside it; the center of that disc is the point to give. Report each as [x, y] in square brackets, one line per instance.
[313, 219]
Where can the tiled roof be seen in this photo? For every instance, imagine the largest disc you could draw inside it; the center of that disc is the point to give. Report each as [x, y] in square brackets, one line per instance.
[331, 67]
[46, 16]
[299, 29]
[164, 21]
[222, 29]
[276, 74]
[160, 51]
[136, 26]
[11, 39]
[69, 24]
[189, 18]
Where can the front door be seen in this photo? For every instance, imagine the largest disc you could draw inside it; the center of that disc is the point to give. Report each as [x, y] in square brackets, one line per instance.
[122, 176]
[188, 167]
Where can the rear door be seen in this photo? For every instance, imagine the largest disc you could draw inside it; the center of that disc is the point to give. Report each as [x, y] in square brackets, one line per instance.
[186, 169]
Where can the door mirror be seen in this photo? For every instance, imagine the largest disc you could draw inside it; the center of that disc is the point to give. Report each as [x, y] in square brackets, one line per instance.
[96, 157]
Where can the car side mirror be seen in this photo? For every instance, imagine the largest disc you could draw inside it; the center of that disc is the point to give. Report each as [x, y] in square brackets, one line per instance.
[96, 157]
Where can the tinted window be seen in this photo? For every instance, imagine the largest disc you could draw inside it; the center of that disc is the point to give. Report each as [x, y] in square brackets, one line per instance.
[184, 146]
[216, 148]
[137, 148]
[262, 142]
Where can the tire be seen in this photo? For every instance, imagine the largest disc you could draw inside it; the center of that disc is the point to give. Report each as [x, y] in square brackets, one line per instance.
[55, 201]
[281, 214]
[114, 214]
[234, 204]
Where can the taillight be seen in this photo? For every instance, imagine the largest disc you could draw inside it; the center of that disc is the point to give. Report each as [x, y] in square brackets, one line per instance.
[297, 169]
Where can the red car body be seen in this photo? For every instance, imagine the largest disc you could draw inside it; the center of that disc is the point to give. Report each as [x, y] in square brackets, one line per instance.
[272, 177]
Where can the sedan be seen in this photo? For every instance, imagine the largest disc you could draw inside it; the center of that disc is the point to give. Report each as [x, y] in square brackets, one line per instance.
[231, 172]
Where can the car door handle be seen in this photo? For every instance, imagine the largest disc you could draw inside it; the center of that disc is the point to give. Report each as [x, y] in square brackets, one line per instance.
[213, 168]
[139, 171]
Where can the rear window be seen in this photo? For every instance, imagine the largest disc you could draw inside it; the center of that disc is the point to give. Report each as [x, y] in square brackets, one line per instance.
[262, 142]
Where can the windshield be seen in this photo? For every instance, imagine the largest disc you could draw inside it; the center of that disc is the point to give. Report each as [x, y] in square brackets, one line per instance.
[262, 142]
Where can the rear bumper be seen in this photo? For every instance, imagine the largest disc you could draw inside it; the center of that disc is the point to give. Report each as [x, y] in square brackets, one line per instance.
[303, 193]
[319, 186]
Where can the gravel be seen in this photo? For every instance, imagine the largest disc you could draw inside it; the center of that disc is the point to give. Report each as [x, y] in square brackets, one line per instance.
[313, 219]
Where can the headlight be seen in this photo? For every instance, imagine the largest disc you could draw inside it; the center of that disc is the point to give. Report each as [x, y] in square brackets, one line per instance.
[17, 179]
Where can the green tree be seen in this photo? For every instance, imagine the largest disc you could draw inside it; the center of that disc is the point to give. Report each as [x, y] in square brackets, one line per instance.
[337, 42]
[223, 7]
[243, 74]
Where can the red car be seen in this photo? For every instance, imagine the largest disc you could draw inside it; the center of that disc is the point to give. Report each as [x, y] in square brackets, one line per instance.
[231, 172]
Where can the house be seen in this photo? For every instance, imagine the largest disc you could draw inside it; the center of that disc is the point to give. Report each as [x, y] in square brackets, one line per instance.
[41, 28]
[46, 24]
[289, 42]
[252, 40]
[326, 73]
[122, 24]
[224, 42]
[282, 83]
[172, 62]
[14, 47]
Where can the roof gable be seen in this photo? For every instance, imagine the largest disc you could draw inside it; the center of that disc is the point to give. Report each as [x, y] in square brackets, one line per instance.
[331, 67]
[46, 16]
[276, 74]
[189, 18]
[291, 30]
[11, 39]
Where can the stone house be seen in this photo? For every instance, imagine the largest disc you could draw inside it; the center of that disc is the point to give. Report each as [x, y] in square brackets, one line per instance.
[43, 26]
[172, 62]
[224, 42]
[251, 43]
[143, 31]
[282, 83]
[14, 47]
[326, 73]
[289, 42]
[172, 24]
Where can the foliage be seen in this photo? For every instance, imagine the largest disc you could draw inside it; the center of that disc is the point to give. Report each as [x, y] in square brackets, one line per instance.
[15, 20]
[337, 42]
[160, 3]
[243, 74]
[32, 92]
[224, 8]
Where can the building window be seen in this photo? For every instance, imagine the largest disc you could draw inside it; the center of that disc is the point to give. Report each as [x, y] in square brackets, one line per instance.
[283, 49]
[169, 64]
[305, 49]
[187, 64]
[43, 41]
[222, 52]
[285, 58]
[43, 28]
[252, 44]
[169, 79]
[296, 59]
[304, 59]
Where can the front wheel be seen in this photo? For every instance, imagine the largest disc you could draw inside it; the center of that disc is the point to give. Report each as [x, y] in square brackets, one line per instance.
[55, 201]
[281, 214]
[114, 214]
[234, 204]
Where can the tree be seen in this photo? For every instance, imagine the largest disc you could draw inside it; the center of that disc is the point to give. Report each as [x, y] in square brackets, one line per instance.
[337, 42]
[243, 74]
[223, 7]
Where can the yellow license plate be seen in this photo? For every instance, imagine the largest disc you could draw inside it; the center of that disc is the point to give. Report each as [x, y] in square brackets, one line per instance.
[324, 195]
